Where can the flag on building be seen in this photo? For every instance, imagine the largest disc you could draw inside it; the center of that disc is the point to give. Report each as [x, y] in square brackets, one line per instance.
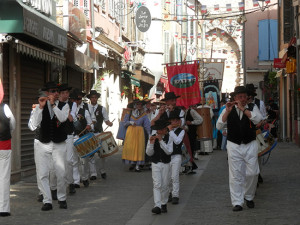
[215, 33]
[216, 7]
[155, 3]
[183, 35]
[168, 2]
[203, 9]
[255, 3]
[206, 34]
[191, 35]
[228, 7]
[176, 34]
[191, 6]
[222, 32]
[241, 6]
[267, 1]
[199, 35]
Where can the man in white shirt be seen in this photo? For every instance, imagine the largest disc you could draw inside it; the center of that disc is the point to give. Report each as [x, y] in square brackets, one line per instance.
[98, 115]
[242, 147]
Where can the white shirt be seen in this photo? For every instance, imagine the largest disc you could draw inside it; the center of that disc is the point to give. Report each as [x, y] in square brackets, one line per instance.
[196, 116]
[10, 116]
[167, 148]
[37, 115]
[75, 110]
[92, 109]
[256, 116]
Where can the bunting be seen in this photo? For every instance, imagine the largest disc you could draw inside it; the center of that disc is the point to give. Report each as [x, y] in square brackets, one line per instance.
[228, 7]
[199, 35]
[255, 3]
[203, 9]
[216, 7]
[241, 6]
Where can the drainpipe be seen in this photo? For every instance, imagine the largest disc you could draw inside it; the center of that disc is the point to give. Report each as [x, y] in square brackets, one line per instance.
[243, 48]
[93, 38]
[298, 72]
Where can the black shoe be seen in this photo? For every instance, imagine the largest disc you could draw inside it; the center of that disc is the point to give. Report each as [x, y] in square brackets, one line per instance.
[170, 197]
[164, 208]
[77, 185]
[191, 172]
[63, 204]
[40, 198]
[93, 178]
[206, 153]
[72, 189]
[131, 167]
[194, 166]
[237, 208]
[137, 170]
[47, 207]
[201, 153]
[260, 179]
[186, 169]
[103, 175]
[86, 183]
[175, 200]
[156, 210]
[54, 194]
[250, 204]
[4, 214]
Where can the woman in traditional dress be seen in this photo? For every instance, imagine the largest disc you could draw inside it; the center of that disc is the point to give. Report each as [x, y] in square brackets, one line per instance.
[137, 123]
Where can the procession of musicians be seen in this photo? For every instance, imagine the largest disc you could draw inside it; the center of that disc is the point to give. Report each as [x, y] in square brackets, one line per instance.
[160, 136]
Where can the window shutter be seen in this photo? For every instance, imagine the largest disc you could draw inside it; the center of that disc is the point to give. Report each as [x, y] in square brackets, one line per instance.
[263, 40]
[273, 39]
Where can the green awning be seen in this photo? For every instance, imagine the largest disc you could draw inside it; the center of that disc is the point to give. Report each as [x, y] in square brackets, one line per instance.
[17, 17]
[135, 81]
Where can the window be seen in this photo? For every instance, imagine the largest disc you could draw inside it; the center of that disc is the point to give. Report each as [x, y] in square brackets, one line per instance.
[267, 40]
[111, 8]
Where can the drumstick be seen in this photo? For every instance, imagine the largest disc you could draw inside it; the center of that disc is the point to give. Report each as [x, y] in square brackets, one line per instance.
[82, 132]
[108, 126]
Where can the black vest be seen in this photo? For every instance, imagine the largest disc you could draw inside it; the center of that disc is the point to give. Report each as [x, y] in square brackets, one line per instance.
[165, 116]
[51, 129]
[99, 117]
[177, 148]
[159, 154]
[4, 125]
[240, 131]
[68, 125]
[80, 125]
[257, 102]
[192, 128]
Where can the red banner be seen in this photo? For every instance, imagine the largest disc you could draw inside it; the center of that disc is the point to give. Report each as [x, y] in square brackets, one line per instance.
[183, 81]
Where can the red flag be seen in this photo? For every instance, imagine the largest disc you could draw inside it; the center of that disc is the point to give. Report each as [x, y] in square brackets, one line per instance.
[228, 7]
[183, 81]
[1, 91]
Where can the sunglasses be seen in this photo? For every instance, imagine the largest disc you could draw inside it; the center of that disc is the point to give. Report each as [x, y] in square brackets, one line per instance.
[53, 91]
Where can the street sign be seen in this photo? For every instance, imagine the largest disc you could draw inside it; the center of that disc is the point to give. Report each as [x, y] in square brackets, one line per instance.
[143, 19]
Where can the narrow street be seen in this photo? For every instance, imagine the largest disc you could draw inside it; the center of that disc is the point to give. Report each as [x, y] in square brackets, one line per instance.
[126, 197]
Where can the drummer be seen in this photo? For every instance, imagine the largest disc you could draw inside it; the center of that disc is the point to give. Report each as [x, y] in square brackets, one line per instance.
[98, 115]
[82, 122]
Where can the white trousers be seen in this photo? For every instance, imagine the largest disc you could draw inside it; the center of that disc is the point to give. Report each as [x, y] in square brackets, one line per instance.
[46, 155]
[161, 179]
[243, 171]
[5, 168]
[72, 162]
[38, 181]
[175, 165]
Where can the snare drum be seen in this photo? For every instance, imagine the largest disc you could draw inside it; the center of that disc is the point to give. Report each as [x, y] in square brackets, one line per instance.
[266, 142]
[87, 145]
[109, 145]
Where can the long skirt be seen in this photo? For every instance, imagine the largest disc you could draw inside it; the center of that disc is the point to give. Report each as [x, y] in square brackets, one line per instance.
[134, 146]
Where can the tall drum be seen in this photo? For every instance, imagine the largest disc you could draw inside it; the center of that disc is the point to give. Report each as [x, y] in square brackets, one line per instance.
[205, 131]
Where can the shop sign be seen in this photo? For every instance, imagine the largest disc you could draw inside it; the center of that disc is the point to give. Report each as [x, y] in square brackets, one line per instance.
[143, 19]
[278, 63]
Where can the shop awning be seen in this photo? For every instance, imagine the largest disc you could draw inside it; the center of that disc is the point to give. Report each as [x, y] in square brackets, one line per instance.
[113, 45]
[18, 18]
[135, 81]
[145, 76]
[38, 53]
